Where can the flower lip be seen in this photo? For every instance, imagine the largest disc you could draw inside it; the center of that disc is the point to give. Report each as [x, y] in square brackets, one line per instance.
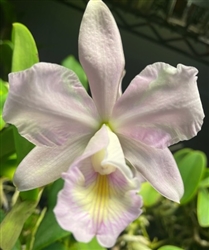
[97, 205]
[99, 197]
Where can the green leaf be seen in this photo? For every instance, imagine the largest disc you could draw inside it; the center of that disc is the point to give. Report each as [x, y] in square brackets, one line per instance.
[204, 183]
[180, 154]
[25, 53]
[9, 15]
[191, 168]
[71, 63]
[169, 247]
[203, 207]
[205, 179]
[6, 143]
[89, 246]
[22, 146]
[9, 166]
[53, 191]
[17, 246]
[3, 96]
[2, 122]
[206, 174]
[149, 194]
[49, 231]
[31, 195]
[6, 48]
[12, 224]
[56, 246]
[2, 215]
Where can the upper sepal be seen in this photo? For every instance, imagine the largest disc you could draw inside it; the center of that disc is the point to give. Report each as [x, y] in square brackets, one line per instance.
[101, 55]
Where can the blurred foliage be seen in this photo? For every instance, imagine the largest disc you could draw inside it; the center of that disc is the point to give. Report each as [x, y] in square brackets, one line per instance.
[6, 50]
[3, 96]
[49, 231]
[13, 222]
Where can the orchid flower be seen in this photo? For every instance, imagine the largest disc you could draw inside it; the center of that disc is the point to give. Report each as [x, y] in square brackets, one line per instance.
[101, 145]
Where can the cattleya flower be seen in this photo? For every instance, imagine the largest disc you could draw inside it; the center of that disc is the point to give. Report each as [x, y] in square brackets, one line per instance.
[102, 145]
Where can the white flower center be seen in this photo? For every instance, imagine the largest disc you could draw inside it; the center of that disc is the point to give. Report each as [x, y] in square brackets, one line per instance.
[103, 169]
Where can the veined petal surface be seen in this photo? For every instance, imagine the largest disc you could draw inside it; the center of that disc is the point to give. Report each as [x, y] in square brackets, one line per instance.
[156, 165]
[49, 106]
[93, 204]
[45, 164]
[97, 205]
[161, 106]
[101, 55]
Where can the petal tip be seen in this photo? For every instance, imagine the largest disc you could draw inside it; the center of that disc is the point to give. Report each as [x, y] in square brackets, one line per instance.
[19, 184]
[176, 194]
[188, 69]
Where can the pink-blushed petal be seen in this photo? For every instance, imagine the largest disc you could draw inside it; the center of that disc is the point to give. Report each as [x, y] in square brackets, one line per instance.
[161, 106]
[156, 165]
[101, 55]
[49, 106]
[45, 164]
[91, 204]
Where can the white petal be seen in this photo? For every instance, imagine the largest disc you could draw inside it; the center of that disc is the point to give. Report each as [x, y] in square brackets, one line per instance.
[161, 106]
[44, 165]
[49, 106]
[156, 165]
[101, 55]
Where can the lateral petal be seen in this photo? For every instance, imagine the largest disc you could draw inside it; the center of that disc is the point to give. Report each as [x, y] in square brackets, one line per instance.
[45, 164]
[91, 204]
[161, 106]
[49, 106]
[156, 165]
[101, 55]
